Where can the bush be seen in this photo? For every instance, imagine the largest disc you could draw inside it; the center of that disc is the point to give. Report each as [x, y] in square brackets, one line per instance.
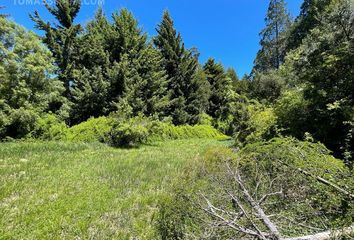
[292, 113]
[267, 86]
[118, 132]
[49, 127]
[258, 125]
[173, 217]
[204, 119]
[92, 130]
[265, 167]
[19, 123]
[304, 195]
[4, 119]
[160, 131]
[233, 122]
[140, 130]
[128, 134]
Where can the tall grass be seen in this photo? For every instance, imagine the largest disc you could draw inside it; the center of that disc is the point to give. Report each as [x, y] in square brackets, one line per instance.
[68, 190]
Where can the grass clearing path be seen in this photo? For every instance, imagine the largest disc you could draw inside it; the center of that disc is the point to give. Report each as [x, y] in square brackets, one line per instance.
[57, 190]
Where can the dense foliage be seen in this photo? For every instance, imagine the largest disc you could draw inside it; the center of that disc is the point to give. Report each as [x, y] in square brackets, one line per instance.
[27, 87]
[291, 119]
[120, 132]
[302, 205]
[302, 80]
[312, 90]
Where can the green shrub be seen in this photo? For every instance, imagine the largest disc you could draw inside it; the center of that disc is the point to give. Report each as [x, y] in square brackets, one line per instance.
[267, 86]
[159, 131]
[304, 195]
[259, 125]
[130, 133]
[174, 216]
[265, 167]
[118, 131]
[204, 119]
[92, 130]
[140, 130]
[20, 123]
[234, 121]
[4, 118]
[292, 111]
[49, 127]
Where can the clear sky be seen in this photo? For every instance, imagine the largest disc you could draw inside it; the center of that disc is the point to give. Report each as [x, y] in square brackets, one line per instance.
[224, 29]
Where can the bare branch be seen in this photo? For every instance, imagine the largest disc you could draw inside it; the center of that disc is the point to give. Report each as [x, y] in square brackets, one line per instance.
[262, 200]
[211, 210]
[301, 224]
[265, 219]
[324, 181]
[247, 217]
[326, 235]
[237, 201]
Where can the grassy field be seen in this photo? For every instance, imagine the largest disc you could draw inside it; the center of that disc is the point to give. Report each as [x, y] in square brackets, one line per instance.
[54, 190]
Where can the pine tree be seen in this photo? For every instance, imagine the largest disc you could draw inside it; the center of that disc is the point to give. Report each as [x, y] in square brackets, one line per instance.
[199, 96]
[240, 86]
[231, 73]
[89, 95]
[128, 36]
[221, 88]
[146, 84]
[94, 44]
[61, 38]
[138, 80]
[180, 65]
[90, 90]
[126, 42]
[273, 37]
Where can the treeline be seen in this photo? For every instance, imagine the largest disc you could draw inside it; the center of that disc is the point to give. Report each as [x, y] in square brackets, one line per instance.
[314, 82]
[301, 85]
[108, 66]
[303, 75]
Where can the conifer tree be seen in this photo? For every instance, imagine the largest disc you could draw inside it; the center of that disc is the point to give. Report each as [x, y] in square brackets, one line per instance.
[311, 15]
[180, 65]
[145, 83]
[89, 95]
[126, 42]
[128, 37]
[273, 37]
[138, 79]
[231, 73]
[240, 86]
[61, 38]
[199, 96]
[221, 88]
[90, 90]
[94, 45]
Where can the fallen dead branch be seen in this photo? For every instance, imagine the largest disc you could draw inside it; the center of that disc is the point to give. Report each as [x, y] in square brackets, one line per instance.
[326, 235]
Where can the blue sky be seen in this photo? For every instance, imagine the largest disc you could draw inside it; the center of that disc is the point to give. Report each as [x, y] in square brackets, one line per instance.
[224, 29]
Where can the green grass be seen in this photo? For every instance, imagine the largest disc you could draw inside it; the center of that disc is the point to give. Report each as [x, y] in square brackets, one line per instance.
[56, 190]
